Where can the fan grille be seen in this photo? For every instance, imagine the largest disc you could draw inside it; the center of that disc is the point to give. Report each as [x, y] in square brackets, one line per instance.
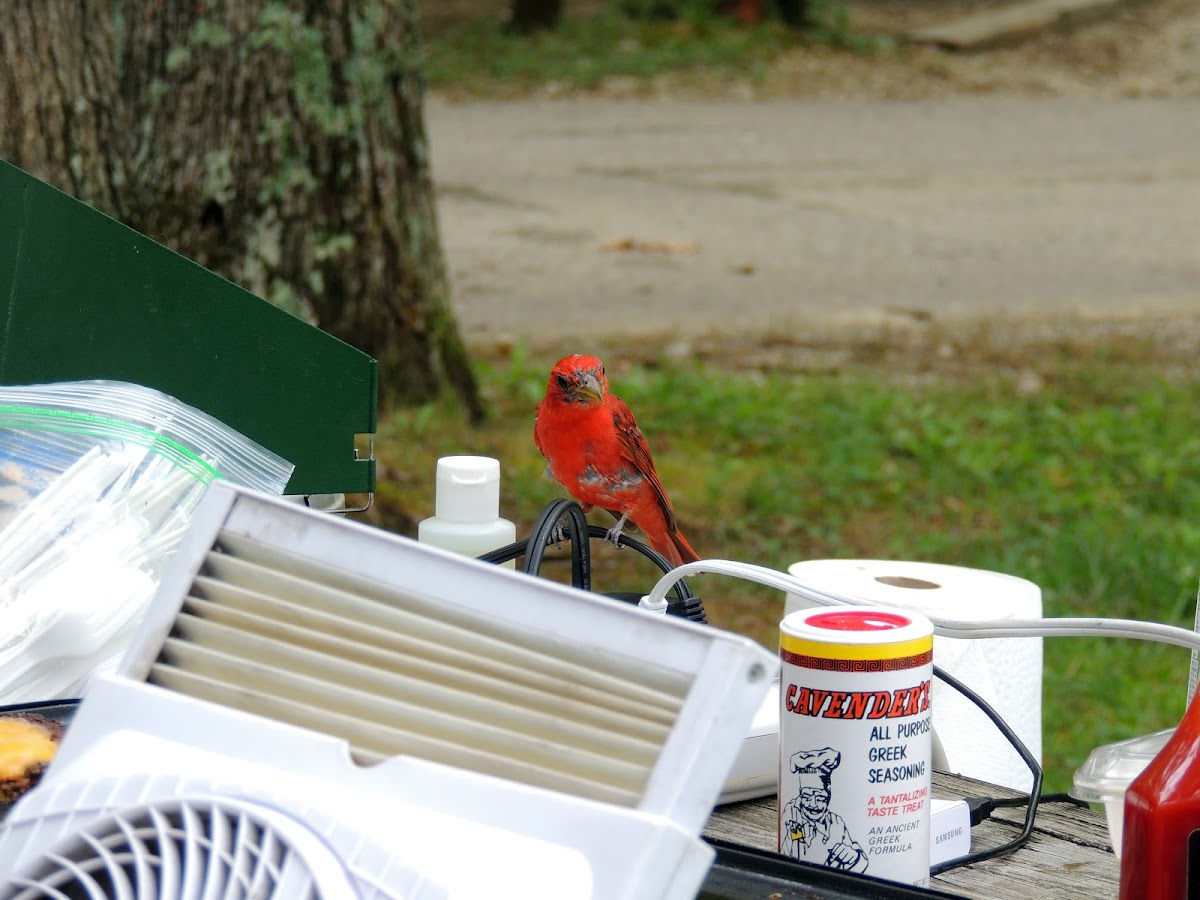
[185, 850]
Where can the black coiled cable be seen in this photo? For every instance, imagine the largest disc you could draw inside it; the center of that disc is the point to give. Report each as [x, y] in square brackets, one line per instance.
[563, 520]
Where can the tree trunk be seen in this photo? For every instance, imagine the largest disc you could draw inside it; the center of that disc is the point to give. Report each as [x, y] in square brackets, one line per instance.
[281, 144]
[531, 15]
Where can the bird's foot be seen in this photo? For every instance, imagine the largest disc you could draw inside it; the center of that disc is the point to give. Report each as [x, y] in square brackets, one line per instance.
[557, 535]
[614, 533]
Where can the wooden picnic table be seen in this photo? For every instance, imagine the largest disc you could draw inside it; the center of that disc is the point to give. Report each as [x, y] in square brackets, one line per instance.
[1068, 856]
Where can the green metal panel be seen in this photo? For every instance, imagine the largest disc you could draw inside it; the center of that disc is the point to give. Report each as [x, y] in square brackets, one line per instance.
[88, 297]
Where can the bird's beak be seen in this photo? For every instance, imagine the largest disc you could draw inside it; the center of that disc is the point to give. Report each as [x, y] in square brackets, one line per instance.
[588, 388]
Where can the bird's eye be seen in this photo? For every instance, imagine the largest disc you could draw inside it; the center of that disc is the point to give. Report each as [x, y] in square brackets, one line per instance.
[601, 368]
[563, 381]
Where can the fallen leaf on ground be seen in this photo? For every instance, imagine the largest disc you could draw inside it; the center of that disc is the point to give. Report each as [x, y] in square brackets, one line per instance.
[632, 245]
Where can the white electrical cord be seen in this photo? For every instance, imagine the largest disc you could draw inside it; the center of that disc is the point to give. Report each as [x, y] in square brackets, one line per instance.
[1194, 669]
[952, 628]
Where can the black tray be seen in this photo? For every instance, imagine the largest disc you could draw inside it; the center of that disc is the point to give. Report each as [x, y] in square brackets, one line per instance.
[61, 711]
[746, 873]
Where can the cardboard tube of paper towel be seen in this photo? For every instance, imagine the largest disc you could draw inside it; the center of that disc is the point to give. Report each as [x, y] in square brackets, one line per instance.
[1006, 672]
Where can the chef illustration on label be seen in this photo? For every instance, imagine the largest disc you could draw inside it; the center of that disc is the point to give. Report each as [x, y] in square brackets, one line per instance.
[812, 831]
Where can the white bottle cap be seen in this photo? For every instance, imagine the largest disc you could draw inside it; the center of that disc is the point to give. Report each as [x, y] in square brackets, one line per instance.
[468, 489]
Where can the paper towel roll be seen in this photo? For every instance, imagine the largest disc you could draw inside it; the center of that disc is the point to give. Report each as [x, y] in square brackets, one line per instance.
[1006, 672]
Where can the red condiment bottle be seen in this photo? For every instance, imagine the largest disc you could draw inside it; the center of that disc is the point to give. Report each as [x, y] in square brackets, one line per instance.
[1160, 851]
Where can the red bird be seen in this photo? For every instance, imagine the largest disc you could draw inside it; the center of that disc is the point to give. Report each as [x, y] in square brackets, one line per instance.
[594, 449]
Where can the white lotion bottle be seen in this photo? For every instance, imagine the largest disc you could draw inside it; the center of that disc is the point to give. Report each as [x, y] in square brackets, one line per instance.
[466, 515]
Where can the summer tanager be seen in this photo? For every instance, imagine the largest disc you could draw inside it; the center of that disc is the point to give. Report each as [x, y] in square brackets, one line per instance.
[594, 449]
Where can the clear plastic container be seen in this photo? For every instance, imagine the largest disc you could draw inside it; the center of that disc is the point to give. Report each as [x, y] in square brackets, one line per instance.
[1109, 770]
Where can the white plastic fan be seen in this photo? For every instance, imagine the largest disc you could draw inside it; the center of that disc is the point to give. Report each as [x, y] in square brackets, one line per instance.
[358, 715]
[197, 848]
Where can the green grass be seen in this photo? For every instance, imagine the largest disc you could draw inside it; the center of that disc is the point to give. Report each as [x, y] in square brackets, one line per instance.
[1087, 486]
[479, 57]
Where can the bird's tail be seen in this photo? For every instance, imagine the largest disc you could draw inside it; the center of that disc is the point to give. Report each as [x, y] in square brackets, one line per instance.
[674, 546]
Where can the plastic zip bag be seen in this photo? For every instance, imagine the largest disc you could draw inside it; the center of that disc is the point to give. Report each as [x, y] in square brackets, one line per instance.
[98, 481]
